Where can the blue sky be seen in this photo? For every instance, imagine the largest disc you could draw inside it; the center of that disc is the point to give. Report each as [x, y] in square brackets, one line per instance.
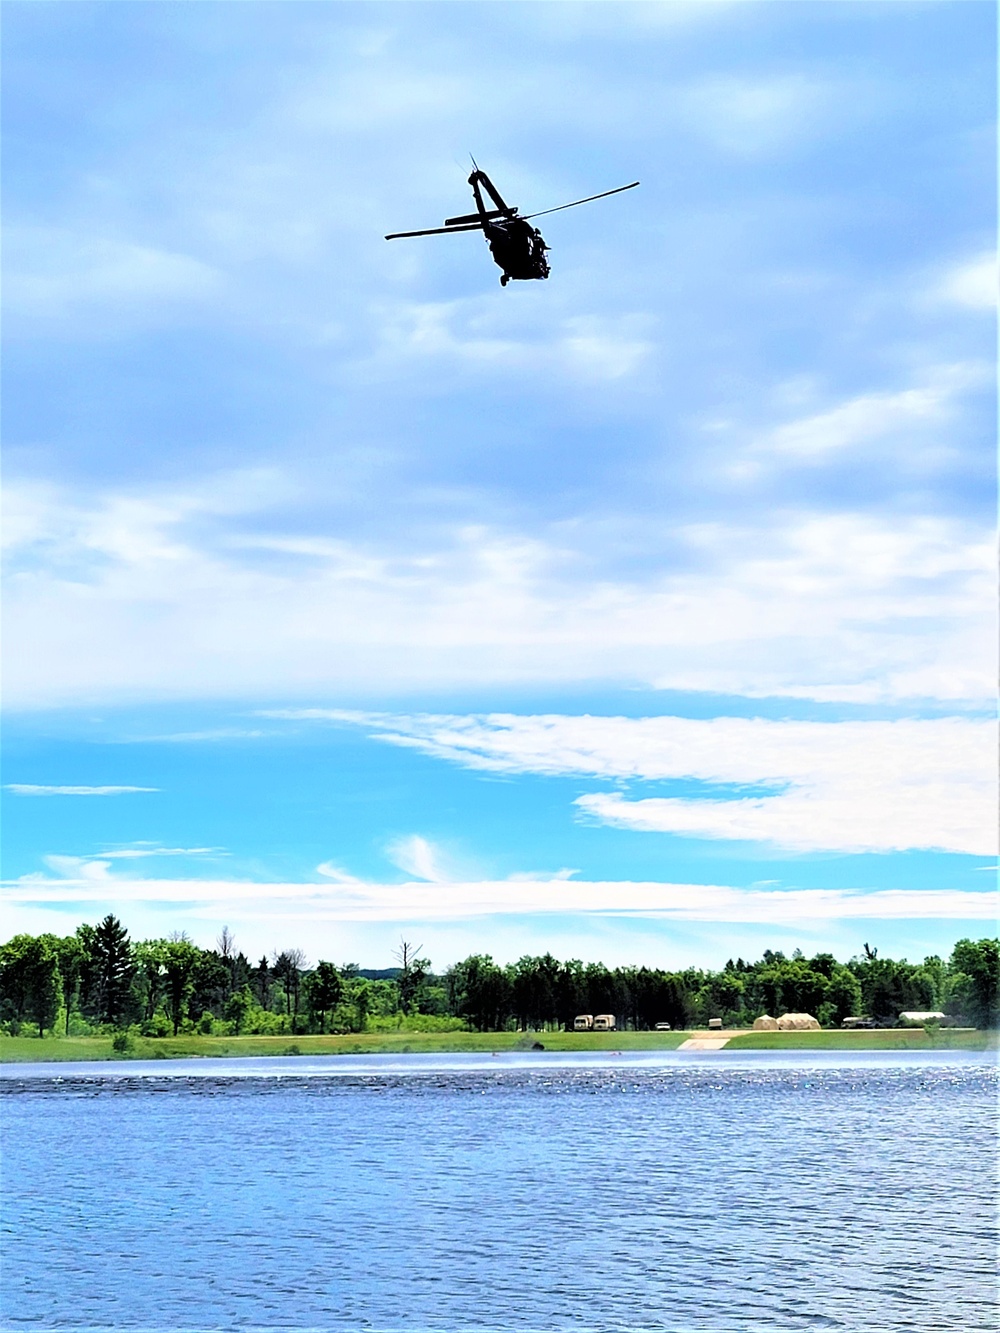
[643, 614]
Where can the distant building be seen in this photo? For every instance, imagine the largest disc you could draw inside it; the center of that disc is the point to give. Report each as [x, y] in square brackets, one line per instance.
[921, 1016]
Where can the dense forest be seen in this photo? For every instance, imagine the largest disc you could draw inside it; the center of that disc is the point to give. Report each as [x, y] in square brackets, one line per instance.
[98, 980]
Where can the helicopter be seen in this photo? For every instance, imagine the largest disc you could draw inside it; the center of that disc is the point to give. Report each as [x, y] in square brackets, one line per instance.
[517, 248]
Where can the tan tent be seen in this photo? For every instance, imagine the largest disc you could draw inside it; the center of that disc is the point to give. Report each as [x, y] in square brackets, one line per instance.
[797, 1023]
[765, 1024]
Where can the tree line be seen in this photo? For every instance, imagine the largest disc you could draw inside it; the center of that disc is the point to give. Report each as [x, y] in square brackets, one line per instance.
[99, 980]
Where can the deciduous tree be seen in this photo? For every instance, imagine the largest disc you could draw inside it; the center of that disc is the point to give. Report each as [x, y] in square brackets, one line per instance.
[412, 973]
[287, 967]
[72, 958]
[179, 963]
[30, 985]
[978, 961]
[324, 989]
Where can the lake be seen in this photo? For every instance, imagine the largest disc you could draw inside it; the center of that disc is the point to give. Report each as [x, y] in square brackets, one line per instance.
[695, 1194]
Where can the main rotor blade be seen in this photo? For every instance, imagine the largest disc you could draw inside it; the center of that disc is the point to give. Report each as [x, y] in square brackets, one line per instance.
[434, 231]
[477, 217]
[589, 199]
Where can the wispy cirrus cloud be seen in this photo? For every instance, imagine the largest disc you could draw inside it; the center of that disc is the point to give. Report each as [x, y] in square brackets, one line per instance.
[35, 789]
[418, 857]
[836, 786]
[143, 852]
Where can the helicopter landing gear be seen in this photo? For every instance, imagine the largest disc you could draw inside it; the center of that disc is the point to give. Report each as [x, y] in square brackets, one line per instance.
[504, 279]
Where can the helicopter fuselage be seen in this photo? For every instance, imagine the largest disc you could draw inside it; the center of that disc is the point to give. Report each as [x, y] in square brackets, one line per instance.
[517, 248]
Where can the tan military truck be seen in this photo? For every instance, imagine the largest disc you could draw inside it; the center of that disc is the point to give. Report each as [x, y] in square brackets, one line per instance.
[583, 1023]
[604, 1022]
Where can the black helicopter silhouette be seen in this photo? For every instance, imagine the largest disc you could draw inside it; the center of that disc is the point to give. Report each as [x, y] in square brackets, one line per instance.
[516, 247]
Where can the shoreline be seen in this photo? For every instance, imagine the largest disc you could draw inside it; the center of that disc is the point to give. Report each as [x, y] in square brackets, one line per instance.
[51, 1050]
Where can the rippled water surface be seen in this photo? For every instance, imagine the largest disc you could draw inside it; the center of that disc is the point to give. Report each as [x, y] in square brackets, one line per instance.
[684, 1196]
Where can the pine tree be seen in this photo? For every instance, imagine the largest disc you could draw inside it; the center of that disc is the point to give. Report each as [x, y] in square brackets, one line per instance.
[112, 955]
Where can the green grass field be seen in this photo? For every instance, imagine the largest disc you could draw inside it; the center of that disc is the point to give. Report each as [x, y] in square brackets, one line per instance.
[19, 1049]
[878, 1039]
[15, 1050]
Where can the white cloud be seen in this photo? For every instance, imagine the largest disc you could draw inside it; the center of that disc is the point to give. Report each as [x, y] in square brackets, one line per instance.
[336, 873]
[867, 418]
[974, 284]
[802, 821]
[416, 856]
[53, 273]
[840, 786]
[381, 96]
[165, 594]
[78, 871]
[141, 852]
[755, 117]
[475, 333]
[89, 881]
[33, 789]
